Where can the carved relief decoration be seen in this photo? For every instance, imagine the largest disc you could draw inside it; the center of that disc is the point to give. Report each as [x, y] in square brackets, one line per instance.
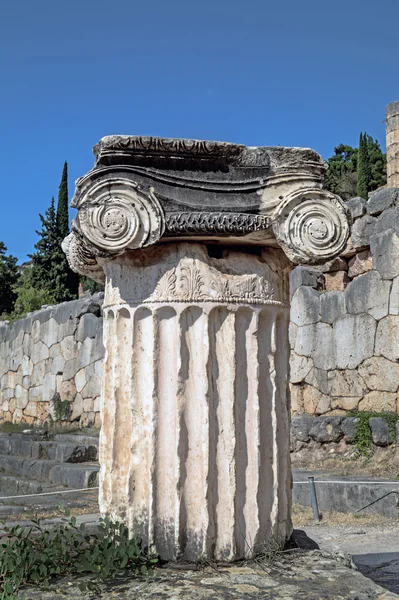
[218, 223]
[195, 281]
[312, 225]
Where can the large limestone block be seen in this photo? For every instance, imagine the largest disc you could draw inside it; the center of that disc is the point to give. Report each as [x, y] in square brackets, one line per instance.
[49, 332]
[332, 306]
[360, 263]
[305, 306]
[21, 396]
[346, 383]
[389, 219]
[317, 342]
[378, 373]
[38, 372]
[299, 368]
[318, 378]
[88, 327]
[70, 369]
[39, 352]
[394, 298]
[387, 338]
[92, 388]
[69, 347]
[353, 339]
[381, 200]
[314, 402]
[357, 207]
[80, 380]
[368, 294]
[67, 390]
[362, 230]
[67, 329]
[385, 252]
[342, 403]
[379, 402]
[49, 387]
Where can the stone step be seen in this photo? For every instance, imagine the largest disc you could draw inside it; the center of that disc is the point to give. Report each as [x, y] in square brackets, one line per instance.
[73, 449]
[11, 485]
[71, 475]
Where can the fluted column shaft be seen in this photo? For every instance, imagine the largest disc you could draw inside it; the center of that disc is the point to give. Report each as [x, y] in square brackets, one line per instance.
[194, 446]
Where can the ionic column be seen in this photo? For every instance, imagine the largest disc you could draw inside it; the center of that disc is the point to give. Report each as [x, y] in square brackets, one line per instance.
[195, 436]
[194, 444]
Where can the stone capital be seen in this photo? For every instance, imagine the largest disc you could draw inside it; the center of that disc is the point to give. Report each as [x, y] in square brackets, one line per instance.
[144, 191]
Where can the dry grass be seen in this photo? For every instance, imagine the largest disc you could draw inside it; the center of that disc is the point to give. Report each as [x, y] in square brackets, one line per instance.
[303, 515]
[383, 463]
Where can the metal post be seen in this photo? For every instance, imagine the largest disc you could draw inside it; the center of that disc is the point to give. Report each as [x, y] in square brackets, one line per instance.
[313, 499]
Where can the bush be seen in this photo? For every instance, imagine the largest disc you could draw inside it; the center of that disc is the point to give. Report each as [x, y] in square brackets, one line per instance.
[35, 555]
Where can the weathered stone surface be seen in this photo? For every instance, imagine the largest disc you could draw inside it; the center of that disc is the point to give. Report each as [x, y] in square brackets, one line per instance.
[348, 427]
[381, 200]
[300, 427]
[387, 338]
[361, 263]
[362, 229]
[389, 219]
[314, 402]
[296, 397]
[89, 325]
[21, 395]
[67, 390]
[70, 369]
[308, 276]
[91, 389]
[357, 207]
[346, 383]
[49, 332]
[336, 264]
[318, 378]
[80, 380]
[380, 431]
[332, 306]
[385, 251]
[305, 306]
[39, 352]
[49, 387]
[394, 298]
[292, 331]
[379, 402]
[309, 575]
[378, 373]
[368, 294]
[327, 429]
[299, 368]
[344, 404]
[354, 340]
[69, 347]
[336, 281]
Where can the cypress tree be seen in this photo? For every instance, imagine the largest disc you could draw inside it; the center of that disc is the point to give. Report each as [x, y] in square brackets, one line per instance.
[68, 281]
[363, 168]
[8, 279]
[62, 205]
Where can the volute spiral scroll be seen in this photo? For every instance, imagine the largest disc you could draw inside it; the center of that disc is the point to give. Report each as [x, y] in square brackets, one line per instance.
[80, 259]
[116, 215]
[311, 225]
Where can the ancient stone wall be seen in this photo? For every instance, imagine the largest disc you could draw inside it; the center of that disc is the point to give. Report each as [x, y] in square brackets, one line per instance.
[344, 330]
[57, 349]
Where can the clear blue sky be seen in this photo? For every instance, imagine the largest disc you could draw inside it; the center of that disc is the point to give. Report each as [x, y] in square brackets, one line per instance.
[258, 72]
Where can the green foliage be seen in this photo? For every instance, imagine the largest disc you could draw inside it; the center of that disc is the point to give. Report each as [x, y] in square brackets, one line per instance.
[89, 285]
[62, 204]
[363, 168]
[29, 297]
[35, 555]
[62, 409]
[342, 172]
[8, 279]
[363, 438]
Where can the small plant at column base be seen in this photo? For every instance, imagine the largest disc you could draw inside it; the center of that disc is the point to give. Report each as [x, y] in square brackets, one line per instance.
[363, 437]
[35, 555]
